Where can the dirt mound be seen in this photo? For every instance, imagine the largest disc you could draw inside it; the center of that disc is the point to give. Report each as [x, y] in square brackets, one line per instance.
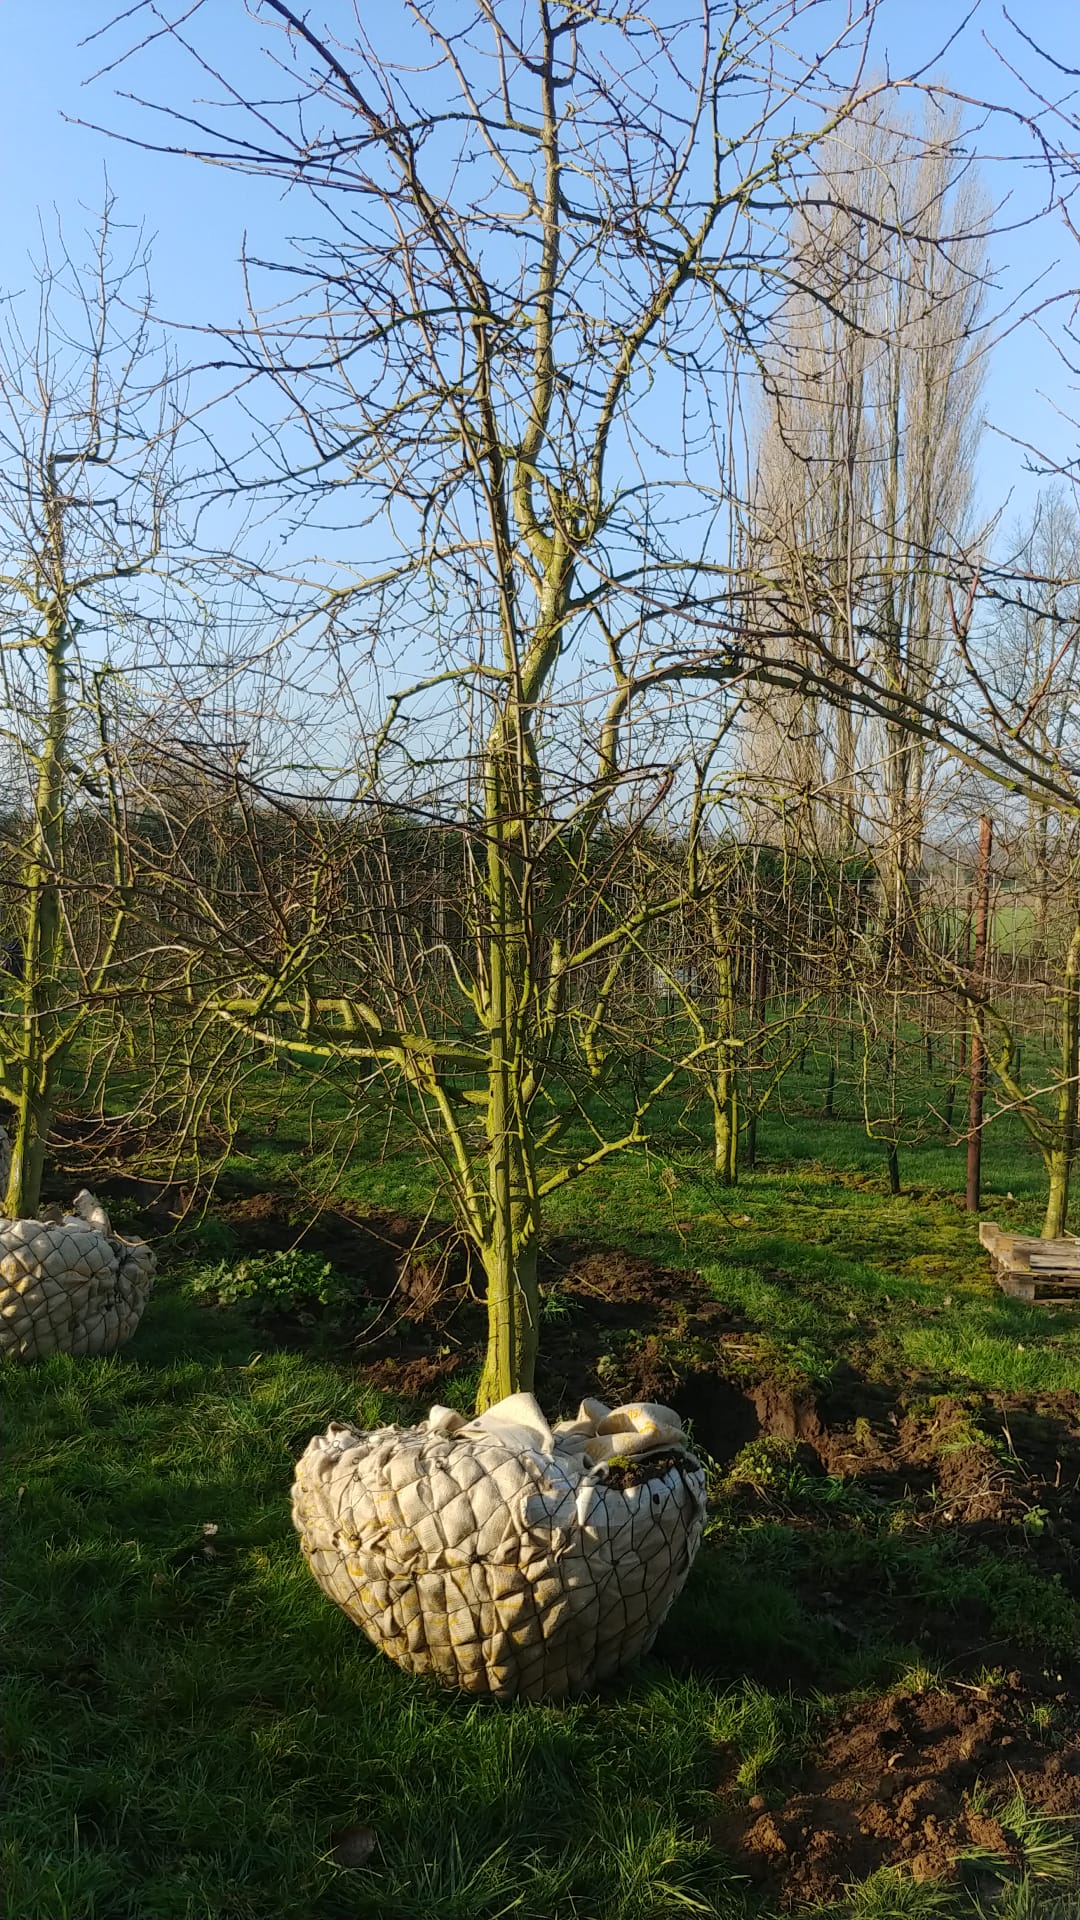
[270, 1223]
[1004, 1467]
[915, 1781]
[622, 1327]
[387, 1252]
[612, 1276]
[421, 1380]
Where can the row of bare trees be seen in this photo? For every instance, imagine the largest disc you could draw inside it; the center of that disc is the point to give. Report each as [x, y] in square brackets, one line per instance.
[862, 510]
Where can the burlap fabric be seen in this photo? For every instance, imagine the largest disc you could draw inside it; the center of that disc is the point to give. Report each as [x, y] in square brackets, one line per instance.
[70, 1286]
[501, 1555]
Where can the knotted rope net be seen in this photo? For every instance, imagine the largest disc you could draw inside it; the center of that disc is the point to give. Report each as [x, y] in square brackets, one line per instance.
[502, 1555]
[70, 1285]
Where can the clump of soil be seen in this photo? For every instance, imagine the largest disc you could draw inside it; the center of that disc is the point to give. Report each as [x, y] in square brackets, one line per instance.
[627, 1329]
[421, 1379]
[639, 1469]
[914, 1781]
[370, 1248]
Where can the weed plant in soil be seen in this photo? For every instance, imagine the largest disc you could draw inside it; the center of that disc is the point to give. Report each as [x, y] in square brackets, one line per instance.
[866, 1703]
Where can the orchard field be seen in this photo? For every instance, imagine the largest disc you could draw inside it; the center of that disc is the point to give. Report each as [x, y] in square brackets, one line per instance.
[863, 1704]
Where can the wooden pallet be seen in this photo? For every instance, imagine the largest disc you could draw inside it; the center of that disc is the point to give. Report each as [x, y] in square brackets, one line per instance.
[1044, 1272]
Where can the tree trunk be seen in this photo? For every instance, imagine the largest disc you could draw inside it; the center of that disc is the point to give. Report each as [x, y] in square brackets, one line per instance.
[904, 778]
[725, 1087]
[33, 1074]
[726, 1126]
[1062, 1151]
[959, 1069]
[1042, 879]
[29, 1135]
[509, 1248]
[978, 1051]
[950, 1095]
[513, 1303]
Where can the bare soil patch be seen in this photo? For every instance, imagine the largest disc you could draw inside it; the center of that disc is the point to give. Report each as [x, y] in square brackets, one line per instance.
[628, 1329]
[910, 1781]
[1005, 1467]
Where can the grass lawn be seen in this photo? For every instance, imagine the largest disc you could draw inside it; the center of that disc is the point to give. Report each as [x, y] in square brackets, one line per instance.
[890, 1580]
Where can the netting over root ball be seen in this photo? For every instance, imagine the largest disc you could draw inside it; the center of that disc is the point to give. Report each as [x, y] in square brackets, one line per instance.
[70, 1285]
[502, 1555]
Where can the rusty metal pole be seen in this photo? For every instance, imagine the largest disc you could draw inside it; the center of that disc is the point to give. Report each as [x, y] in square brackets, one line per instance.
[978, 1051]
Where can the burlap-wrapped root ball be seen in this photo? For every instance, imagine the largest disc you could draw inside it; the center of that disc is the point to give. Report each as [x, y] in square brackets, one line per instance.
[502, 1555]
[70, 1286]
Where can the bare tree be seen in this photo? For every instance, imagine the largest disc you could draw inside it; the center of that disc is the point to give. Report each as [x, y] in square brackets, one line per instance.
[503, 359]
[86, 438]
[866, 464]
[1034, 649]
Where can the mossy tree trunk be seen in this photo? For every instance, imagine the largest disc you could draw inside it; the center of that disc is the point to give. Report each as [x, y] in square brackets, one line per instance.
[512, 1214]
[724, 1087]
[1062, 1147]
[32, 1069]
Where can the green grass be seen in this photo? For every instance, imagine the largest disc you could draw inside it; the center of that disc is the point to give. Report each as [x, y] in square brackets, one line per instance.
[187, 1722]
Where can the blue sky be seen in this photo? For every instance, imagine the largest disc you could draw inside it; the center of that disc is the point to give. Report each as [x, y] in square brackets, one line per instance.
[198, 214]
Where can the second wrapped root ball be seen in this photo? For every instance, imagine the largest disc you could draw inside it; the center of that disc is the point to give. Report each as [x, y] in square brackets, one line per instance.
[70, 1285]
[502, 1555]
